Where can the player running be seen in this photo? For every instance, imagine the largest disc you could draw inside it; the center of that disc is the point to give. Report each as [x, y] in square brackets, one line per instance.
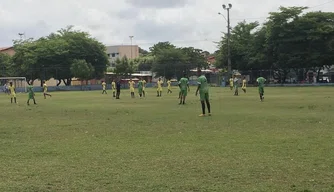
[184, 87]
[159, 89]
[140, 87]
[203, 89]
[113, 87]
[231, 83]
[236, 85]
[261, 82]
[169, 86]
[104, 91]
[244, 83]
[132, 88]
[31, 94]
[45, 90]
[12, 92]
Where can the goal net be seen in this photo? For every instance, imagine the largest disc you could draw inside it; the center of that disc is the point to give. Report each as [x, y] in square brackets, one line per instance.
[20, 84]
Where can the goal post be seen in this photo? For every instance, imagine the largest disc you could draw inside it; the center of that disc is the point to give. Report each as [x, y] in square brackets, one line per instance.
[20, 83]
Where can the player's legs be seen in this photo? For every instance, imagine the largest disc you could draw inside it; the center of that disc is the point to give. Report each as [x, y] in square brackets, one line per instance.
[184, 95]
[202, 98]
[113, 93]
[207, 101]
[236, 91]
[118, 94]
[15, 98]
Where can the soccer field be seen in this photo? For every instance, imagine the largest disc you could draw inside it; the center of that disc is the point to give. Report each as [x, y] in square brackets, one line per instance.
[85, 141]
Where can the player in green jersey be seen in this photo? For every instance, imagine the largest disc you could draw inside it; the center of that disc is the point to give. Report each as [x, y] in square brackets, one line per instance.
[203, 89]
[31, 94]
[140, 87]
[184, 88]
[261, 82]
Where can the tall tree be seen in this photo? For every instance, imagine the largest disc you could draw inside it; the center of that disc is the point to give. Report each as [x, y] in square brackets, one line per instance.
[82, 70]
[6, 66]
[160, 47]
[170, 63]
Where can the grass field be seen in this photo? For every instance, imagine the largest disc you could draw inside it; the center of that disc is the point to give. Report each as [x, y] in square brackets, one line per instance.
[85, 141]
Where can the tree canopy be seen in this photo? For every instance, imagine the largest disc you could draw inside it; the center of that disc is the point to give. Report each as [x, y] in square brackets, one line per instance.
[290, 40]
[53, 56]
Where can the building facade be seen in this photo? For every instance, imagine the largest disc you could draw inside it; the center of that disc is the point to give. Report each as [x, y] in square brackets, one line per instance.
[119, 51]
[7, 50]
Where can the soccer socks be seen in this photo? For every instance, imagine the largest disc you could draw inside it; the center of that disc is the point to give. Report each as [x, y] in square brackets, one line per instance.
[15, 99]
[203, 107]
[143, 93]
[11, 100]
[160, 93]
[208, 106]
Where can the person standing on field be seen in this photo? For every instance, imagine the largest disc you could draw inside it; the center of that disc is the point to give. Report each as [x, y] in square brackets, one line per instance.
[104, 88]
[45, 90]
[261, 82]
[203, 89]
[12, 92]
[244, 82]
[236, 85]
[118, 89]
[31, 94]
[113, 87]
[184, 87]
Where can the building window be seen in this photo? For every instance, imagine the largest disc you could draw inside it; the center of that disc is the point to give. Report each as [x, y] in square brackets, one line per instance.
[113, 55]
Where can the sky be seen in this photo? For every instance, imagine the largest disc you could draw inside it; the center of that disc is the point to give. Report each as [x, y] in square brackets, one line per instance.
[184, 23]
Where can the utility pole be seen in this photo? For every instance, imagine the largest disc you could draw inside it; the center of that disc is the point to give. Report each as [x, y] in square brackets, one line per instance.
[229, 68]
[131, 37]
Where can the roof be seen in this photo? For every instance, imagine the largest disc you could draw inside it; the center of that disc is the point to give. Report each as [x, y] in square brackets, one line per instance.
[5, 48]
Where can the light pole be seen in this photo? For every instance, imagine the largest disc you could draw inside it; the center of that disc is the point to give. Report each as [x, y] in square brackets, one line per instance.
[131, 37]
[229, 68]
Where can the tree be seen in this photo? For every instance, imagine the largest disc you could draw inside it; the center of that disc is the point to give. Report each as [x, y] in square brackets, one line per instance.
[170, 63]
[25, 60]
[82, 70]
[144, 63]
[124, 67]
[80, 46]
[6, 66]
[143, 52]
[195, 58]
[160, 47]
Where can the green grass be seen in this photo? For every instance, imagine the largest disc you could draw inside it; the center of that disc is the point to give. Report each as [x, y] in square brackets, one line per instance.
[85, 141]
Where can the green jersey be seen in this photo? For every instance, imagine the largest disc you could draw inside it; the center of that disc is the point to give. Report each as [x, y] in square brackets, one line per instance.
[183, 83]
[261, 81]
[140, 84]
[203, 82]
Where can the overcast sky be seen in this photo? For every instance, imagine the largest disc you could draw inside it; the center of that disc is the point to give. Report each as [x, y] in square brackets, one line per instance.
[182, 22]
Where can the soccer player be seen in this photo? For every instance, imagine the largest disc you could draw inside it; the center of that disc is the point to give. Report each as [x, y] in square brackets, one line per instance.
[118, 89]
[12, 92]
[203, 89]
[184, 87]
[244, 82]
[236, 85]
[45, 90]
[132, 88]
[113, 87]
[104, 87]
[140, 87]
[169, 86]
[231, 83]
[31, 94]
[159, 89]
[261, 82]
[144, 85]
